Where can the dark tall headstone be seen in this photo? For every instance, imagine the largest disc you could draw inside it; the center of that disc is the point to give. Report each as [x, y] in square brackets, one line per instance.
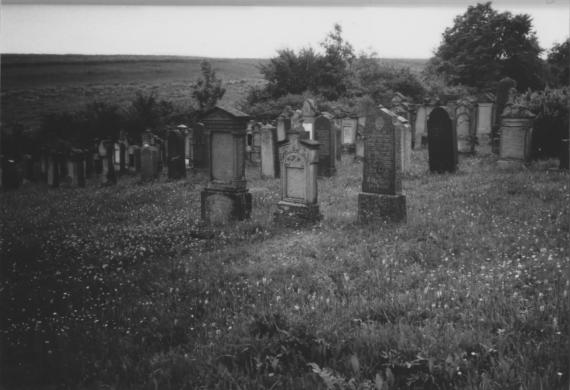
[324, 133]
[176, 151]
[11, 178]
[381, 199]
[106, 152]
[226, 196]
[201, 157]
[442, 142]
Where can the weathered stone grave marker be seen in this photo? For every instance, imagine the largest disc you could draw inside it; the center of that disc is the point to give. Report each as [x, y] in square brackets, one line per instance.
[176, 154]
[299, 164]
[381, 199]
[325, 134]
[516, 136]
[405, 132]
[269, 152]
[106, 150]
[283, 126]
[149, 162]
[309, 113]
[442, 142]
[463, 126]
[226, 197]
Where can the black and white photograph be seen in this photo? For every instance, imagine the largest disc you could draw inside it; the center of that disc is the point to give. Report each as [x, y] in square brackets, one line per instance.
[284, 195]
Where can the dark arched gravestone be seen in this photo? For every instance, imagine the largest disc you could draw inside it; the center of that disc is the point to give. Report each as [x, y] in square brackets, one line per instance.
[442, 142]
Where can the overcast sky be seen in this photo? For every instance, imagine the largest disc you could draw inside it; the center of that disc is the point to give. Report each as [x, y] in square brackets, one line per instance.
[411, 29]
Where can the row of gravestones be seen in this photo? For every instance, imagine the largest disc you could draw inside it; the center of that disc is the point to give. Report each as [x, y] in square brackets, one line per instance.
[227, 198]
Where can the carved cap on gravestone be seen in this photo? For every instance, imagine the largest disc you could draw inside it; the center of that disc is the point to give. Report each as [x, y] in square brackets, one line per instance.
[517, 111]
[287, 112]
[309, 108]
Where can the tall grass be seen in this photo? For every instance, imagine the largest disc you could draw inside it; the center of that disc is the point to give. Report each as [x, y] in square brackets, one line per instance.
[125, 288]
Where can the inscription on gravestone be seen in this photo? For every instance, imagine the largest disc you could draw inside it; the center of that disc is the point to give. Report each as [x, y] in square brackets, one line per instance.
[222, 145]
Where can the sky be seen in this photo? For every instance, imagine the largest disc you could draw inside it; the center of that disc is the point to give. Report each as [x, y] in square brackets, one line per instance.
[408, 30]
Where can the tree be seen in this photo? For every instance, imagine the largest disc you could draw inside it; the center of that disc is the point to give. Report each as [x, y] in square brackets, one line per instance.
[147, 111]
[558, 60]
[208, 89]
[334, 77]
[484, 46]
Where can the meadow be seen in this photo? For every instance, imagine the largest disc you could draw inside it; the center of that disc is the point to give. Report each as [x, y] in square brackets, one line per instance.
[123, 287]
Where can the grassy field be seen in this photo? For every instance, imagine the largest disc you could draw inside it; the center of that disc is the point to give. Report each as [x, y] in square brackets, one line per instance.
[122, 287]
[36, 84]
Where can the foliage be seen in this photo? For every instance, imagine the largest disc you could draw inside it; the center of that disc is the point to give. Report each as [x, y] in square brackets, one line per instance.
[270, 109]
[558, 59]
[208, 89]
[148, 112]
[484, 45]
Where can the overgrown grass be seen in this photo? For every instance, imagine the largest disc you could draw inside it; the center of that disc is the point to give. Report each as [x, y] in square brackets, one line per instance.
[124, 288]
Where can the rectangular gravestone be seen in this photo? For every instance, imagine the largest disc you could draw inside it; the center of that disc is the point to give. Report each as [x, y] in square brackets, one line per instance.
[420, 126]
[405, 143]
[463, 128]
[176, 155]
[149, 162]
[325, 135]
[381, 198]
[484, 120]
[269, 152]
[283, 126]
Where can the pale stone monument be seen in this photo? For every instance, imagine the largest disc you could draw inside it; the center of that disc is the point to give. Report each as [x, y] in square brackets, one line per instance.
[463, 126]
[226, 196]
[299, 201]
[484, 120]
[269, 152]
[309, 113]
[405, 143]
[349, 127]
[420, 126]
[381, 199]
[516, 136]
[106, 152]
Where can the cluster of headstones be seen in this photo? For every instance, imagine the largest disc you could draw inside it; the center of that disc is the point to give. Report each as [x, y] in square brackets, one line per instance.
[302, 151]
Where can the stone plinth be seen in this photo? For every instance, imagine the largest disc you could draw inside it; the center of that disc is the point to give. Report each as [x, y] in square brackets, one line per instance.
[226, 197]
[515, 146]
[381, 199]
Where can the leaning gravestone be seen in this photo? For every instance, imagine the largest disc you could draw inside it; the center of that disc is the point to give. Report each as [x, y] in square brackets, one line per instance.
[442, 142]
[269, 152]
[176, 151]
[516, 136]
[325, 134]
[226, 197]
[381, 199]
[299, 160]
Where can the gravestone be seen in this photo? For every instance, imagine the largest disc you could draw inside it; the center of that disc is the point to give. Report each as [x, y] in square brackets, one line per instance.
[176, 155]
[463, 126]
[123, 146]
[76, 168]
[255, 154]
[349, 128]
[149, 162]
[309, 113]
[201, 148]
[299, 164]
[442, 142]
[420, 126]
[325, 135]
[381, 199]
[338, 141]
[516, 136]
[283, 126]
[484, 120]
[226, 197]
[53, 170]
[117, 156]
[137, 158]
[106, 151]
[269, 152]
[27, 168]
[405, 132]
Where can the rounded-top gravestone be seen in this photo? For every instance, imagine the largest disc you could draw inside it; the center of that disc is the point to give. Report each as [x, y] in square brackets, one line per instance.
[442, 142]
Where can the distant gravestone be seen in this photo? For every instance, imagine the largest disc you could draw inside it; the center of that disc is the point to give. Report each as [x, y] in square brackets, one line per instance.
[381, 199]
[53, 170]
[226, 197]
[117, 156]
[484, 120]
[309, 113]
[123, 147]
[442, 142]
[349, 128]
[405, 132]
[299, 164]
[325, 134]
[201, 158]
[463, 126]
[420, 126]
[269, 152]
[516, 136]
[283, 126]
[149, 163]
[106, 151]
[176, 154]
[76, 168]
[255, 155]
[137, 158]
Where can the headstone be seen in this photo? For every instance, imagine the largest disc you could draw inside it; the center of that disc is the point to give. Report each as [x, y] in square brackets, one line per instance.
[484, 120]
[255, 154]
[405, 132]
[188, 149]
[516, 136]
[123, 157]
[201, 147]
[53, 170]
[137, 158]
[283, 126]
[226, 197]
[309, 112]
[381, 199]
[27, 168]
[324, 133]
[349, 127]
[149, 162]
[442, 142]
[463, 127]
[176, 150]
[299, 164]
[359, 147]
[117, 157]
[147, 138]
[76, 170]
[269, 152]
[420, 126]
[106, 151]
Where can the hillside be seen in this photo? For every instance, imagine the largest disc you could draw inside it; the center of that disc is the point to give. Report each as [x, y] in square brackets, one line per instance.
[34, 84]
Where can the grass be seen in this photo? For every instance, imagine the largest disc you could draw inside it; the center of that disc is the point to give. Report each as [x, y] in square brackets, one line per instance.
[120, 287]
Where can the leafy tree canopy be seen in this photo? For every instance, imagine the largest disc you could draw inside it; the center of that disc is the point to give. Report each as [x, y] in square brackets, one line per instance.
[558, 60]
[208, 89]
[484, 46]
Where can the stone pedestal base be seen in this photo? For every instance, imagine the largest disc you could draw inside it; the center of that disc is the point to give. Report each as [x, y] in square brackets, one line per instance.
[348, 148]
[296, 214]
[511, 165]
[374, 208]
[222, 206]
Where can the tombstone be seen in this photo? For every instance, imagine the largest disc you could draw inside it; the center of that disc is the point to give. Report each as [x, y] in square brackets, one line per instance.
[325, 135]
[149, 162]
[516, 137]
[484, 120]
[269, 152]
[176, 150]
[123, 147]
[283, 126]
[11, 178]
[106, 151]
[309, 112]
[299, 165]
[381, 199]
[76, 168]
[137, 158]
[255, 151]
[147, 138]
[420, 126]
[53, 170]
[188, 147]
[226, 197]
[349, 127]
[442, 142]
[117, 156]
[201, 147]
[463, 127]
[405, 132]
